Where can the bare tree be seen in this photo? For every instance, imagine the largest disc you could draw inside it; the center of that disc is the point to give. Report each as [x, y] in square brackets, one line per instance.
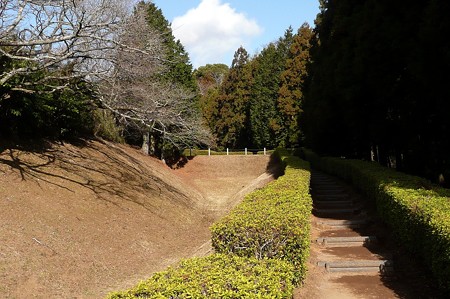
[103, 42]
[134, 93]
[50, 35]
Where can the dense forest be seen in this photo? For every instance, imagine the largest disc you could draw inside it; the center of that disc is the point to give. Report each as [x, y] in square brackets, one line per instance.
[377, 88]
[369, 81]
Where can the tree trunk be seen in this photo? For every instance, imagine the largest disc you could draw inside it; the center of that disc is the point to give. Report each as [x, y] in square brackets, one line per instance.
[146, 143]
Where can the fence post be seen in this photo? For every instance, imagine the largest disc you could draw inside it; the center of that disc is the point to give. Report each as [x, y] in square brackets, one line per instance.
[209, 151]
[264, 151]
[227, 151]
[246, 151]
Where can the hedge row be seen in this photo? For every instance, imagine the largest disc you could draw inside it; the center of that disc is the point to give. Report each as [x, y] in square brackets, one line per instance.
[273, 222]
[262, 247]
[217, 276]
[417, 211]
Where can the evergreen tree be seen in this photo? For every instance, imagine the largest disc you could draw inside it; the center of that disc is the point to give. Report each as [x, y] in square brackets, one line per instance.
[267, 69]
[292, 87]
[378, 82]
[178, 67]
[231, 128]
[209, 80]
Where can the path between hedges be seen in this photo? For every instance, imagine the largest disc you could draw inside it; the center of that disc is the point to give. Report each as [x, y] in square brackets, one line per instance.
[352, 254]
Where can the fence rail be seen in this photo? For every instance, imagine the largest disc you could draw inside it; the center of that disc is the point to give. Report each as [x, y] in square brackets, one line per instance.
[209, 152]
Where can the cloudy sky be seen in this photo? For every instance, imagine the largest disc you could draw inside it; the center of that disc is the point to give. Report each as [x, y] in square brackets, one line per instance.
[212, 30]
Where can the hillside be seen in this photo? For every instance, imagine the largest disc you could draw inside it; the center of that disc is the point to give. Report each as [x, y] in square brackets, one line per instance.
[81, 220]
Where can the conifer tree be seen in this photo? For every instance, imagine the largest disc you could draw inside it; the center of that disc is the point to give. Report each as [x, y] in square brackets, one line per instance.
[267, 69]
[178, 67]
[231, 128]
[292, 87]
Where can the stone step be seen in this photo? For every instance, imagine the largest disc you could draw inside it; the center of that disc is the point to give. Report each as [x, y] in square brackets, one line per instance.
[327, 189]
[346, 241]
[333, 203]
[382, 266]
[337, 224]
[331, 196]
[330, 211]
[328, 184]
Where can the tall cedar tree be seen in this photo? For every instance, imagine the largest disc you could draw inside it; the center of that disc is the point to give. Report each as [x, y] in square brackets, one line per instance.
[179, 69]
[232, 114]
[292, 87]
[377, 88]
[209, 79]
[267, 69]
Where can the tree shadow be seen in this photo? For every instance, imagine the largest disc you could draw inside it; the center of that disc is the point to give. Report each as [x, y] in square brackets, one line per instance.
[275, 166]
[107, 170]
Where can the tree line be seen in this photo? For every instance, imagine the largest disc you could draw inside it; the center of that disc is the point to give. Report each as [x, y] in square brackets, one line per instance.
[257, 101]
[369, 81]
[377, 88]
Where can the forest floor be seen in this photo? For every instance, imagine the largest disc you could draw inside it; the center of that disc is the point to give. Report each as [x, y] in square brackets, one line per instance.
[80, 221]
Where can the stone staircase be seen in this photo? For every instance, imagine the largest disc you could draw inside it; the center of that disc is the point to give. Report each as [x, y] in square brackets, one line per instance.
[346, 236]
[353, 255]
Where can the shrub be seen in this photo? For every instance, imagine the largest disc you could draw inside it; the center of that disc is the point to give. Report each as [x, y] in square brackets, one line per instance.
[217, 276]
[417, 211]
[106, 126]
[262, 246]
[273, 222]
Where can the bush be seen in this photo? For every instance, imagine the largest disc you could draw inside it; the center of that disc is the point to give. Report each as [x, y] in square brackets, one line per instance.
[417, 211]
[262, 246]
[106, 126]
[217, 276]
[273, 222]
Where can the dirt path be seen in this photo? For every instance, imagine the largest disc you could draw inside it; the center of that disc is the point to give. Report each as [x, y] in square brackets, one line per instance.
[352, 253]
[78, 221]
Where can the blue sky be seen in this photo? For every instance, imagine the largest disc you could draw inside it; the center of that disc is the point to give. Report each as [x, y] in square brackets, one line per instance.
[212, 30]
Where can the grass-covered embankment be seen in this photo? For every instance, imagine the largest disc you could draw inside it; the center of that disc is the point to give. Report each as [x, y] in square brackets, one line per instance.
[417, 211]
[262, 247]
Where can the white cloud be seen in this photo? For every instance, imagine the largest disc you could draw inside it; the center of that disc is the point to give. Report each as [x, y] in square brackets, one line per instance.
[212, 30]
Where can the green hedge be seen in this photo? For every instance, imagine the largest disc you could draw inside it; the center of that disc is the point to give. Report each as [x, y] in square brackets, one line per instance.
[262, 247]
[217, 276]
[273, 222]
[417, 211]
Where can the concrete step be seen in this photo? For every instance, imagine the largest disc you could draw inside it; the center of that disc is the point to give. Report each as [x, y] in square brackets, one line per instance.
[336, 211]
[383, 266]
[328, 190]
[333, 203]
[346, 241]
[338, 224]
[330, 196]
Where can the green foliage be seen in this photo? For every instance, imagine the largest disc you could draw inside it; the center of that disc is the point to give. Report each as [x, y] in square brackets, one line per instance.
[417, 211]
[217, 276]
[378, 84]
[291, 92]
[262, 247]
[105, 126]
[273, 222]
[63, 113]
[258, 103]
[232, 108]
[178, 67]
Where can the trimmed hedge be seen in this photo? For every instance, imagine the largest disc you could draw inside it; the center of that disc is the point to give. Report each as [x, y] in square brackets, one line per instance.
[417, 211]
[217, 276]
[262, 246]
[273, 222]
